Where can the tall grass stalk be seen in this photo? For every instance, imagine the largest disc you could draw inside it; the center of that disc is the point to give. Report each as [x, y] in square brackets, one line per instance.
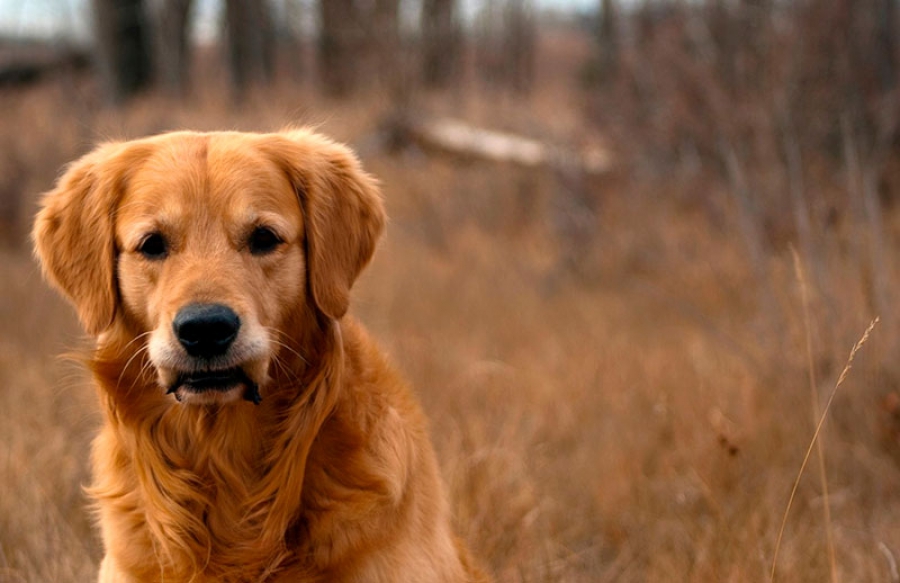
[812, 443]
[814, 401]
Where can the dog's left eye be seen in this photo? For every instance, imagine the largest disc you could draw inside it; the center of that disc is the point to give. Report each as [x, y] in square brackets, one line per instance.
[153, 246]
[263, 240]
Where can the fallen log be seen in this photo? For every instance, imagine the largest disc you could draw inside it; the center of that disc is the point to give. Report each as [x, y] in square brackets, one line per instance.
[458, 138]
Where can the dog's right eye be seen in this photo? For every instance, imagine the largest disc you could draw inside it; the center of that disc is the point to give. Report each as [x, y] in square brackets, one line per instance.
[153, 246]
[263, 240]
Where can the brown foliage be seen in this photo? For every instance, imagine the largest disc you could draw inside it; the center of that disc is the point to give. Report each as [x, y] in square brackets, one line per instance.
[618, 388]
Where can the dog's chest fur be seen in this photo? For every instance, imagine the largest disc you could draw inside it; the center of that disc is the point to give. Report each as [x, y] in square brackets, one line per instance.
[214, 496]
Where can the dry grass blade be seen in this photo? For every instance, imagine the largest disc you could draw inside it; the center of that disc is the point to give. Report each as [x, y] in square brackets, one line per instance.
[814, 401]
[891, 561]
[815, 437]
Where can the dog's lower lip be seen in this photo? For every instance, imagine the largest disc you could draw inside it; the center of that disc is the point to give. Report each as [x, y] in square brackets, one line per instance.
[211, 380]
[215, 381]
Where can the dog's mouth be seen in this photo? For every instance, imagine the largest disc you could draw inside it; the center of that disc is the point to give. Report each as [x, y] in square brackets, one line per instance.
[214, 384]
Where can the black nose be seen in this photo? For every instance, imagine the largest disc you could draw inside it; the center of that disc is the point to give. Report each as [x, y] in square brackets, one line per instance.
[206, 330]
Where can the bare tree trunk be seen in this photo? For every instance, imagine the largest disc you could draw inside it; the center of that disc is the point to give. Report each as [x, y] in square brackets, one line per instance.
[396, 66]
[121, 47]
[720, 21]
[887, 29]
[488, 53]
[386, 32]
[250, 44]
[338, 44]
[441, 42]
[505, 44]
[607, 38]
[172, 45]
[521, 37]
[291, 42]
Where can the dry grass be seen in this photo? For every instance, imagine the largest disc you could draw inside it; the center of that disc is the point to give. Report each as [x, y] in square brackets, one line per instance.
[621, 401]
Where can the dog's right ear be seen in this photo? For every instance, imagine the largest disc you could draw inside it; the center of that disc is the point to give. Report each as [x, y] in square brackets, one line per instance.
[74, 232]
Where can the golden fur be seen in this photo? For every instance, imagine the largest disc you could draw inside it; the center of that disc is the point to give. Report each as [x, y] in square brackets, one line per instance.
[332, 476]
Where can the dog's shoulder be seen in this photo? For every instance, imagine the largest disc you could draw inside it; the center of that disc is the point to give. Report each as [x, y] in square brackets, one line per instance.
[374, 382]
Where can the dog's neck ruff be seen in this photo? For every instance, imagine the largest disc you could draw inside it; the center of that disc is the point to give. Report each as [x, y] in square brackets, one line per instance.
[183, 470]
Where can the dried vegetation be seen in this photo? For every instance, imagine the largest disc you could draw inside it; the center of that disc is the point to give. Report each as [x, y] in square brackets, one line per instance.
[615, 367]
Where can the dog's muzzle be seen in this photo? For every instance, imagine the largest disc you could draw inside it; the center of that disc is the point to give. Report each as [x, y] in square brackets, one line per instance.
[206, 332]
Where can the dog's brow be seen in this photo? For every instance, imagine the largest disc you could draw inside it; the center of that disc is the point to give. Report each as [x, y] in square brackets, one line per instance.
[274, 219]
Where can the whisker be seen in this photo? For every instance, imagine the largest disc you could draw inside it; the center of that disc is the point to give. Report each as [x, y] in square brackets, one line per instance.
[135, 339]
[137, 353]
[140, 352]
[284, 345]
[288, 371]
[146, 364]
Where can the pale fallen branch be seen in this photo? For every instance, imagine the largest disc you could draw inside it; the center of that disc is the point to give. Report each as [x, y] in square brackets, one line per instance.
[455, 137]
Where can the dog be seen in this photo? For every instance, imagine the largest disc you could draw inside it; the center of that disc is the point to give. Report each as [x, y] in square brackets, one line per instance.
[252, 431]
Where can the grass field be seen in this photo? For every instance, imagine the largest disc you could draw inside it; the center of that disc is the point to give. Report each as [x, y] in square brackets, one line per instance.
[619, 391]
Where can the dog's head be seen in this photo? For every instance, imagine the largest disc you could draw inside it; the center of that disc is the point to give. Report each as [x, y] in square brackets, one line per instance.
[207, 246]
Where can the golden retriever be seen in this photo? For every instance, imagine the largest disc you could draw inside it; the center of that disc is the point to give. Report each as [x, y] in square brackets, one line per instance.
[252, 430]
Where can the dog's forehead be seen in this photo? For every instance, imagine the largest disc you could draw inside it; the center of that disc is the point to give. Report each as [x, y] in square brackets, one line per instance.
[204, 173]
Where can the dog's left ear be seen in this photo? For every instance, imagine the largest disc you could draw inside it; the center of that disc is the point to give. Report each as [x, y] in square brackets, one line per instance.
[342, 209]
[74, 233]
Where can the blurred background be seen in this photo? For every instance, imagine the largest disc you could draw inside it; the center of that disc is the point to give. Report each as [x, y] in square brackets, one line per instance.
[632, 244]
